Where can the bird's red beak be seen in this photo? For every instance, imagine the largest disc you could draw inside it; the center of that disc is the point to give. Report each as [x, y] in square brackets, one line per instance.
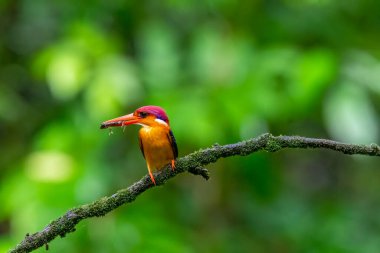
[125, 120]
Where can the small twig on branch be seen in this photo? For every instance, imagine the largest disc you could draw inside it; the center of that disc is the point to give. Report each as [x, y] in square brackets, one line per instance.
[193, 163]
[201, 171]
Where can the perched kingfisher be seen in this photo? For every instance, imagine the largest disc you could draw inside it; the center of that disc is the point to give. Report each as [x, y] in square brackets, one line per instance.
[156, 139]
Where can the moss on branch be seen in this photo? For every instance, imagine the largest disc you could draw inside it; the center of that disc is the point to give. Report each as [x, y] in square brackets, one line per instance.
[193, 163]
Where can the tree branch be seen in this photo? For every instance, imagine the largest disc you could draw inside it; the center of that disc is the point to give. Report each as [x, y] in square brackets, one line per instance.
[193, 163]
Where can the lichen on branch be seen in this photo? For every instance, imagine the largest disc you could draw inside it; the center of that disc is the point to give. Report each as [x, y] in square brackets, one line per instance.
[193, 163]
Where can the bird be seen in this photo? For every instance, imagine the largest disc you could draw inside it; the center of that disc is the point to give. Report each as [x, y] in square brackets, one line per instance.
[156, 140]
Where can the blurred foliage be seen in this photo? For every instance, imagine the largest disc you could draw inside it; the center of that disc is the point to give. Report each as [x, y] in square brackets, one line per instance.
[224, 71]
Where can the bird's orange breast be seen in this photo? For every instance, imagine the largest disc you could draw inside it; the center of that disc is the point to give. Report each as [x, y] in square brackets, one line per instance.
[156, 147]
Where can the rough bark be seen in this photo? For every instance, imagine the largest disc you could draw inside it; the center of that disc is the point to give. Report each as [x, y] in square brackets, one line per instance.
[193, 163]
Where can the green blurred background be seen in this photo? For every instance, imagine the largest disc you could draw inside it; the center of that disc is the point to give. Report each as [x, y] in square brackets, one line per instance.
[224, 71]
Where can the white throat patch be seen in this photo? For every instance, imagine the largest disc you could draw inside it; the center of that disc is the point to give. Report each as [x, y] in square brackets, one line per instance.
[160, 121]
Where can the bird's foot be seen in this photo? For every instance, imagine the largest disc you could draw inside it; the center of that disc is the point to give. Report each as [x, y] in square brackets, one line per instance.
[152, 178]
[173, 165]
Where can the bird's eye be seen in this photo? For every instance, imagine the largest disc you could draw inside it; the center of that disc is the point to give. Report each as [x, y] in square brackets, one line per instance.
[143, 114]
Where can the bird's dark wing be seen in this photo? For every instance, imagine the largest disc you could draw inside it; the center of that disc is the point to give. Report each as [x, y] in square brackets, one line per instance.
[141, 147]
[173, 143]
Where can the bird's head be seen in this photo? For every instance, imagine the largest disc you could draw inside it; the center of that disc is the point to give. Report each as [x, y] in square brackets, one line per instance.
[147, 116]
